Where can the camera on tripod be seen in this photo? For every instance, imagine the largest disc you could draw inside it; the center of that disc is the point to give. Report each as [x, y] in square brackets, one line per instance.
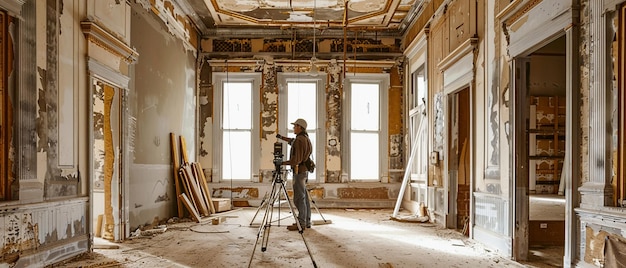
[278, 155]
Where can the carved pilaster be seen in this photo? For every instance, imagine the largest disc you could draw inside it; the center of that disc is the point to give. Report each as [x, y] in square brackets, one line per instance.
[597, 192]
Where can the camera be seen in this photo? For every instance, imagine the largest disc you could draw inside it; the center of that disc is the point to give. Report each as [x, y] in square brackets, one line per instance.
[278, 155]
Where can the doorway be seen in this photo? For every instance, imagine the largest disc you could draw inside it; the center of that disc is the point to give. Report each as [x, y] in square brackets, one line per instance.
[459, 160]
[108, 218]
[541, 116]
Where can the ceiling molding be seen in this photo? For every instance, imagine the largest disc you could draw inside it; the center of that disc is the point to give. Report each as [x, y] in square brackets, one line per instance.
[241, 32]
[301, 63]
[186, 8]
[326, 13]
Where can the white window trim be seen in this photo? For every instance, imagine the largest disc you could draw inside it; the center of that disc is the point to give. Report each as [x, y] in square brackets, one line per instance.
[383, 81]
[320, 132]
[218, 79]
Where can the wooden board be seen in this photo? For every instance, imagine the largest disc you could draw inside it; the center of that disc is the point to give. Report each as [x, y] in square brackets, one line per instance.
[183, 179]
[176, 166]
[205, 185]
[195, 190]
[99, 226]
[183, 150]
[192, 210]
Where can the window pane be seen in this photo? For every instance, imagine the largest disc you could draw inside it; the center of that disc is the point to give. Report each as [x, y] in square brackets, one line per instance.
[236, 155]
[237, 105]
[364, 154]
[301, 103]
[419, 88]
[364, 103]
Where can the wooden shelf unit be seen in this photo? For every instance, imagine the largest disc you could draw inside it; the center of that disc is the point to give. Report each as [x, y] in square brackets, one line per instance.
[546, 143]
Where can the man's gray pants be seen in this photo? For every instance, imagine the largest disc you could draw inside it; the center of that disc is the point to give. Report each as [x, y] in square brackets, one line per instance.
[301, 199]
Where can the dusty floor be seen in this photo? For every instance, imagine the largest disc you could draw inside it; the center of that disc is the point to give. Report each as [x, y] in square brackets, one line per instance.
[355, 238]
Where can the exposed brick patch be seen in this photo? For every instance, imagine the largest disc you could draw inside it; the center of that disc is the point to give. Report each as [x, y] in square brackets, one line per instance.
[363, 193]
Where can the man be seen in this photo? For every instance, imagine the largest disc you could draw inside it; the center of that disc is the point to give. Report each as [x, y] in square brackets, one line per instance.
[300, 151]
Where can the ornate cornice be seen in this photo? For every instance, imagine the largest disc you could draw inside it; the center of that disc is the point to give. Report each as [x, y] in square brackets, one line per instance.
[100, 37]
[13, 6]
[528, 7]
[458, 53]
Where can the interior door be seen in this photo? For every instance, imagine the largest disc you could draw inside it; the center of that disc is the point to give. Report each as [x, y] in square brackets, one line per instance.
[520, 203]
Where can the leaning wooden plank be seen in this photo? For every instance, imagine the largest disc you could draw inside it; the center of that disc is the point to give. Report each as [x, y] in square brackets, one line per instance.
[203, 190]
[183, 150]
[197, 196]
[192, 210]
[205, 185]
[99, 226]
[176, 166]
[185, 181]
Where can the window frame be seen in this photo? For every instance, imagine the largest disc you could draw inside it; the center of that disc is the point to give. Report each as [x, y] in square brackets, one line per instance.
[383, 81]
[418, 106]
[218, 127]
[320, 133]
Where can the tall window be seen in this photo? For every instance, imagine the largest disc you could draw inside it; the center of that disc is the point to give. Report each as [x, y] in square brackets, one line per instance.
[300, 100]
[236, 109]
[366, 127]
[419, 124]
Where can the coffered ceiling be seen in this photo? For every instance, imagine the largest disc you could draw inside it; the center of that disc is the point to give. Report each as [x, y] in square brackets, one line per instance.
[376, 15]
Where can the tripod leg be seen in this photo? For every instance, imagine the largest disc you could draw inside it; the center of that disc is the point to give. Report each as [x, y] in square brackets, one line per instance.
[315, 206]
[300, 229]
[278, 188]
[261, 206]
[265, 222]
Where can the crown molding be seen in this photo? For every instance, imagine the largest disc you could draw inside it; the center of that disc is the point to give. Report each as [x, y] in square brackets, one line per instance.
[14, 7]
[100, 37]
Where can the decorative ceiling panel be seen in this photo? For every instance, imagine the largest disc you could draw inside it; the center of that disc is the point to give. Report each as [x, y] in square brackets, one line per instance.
[387, 14]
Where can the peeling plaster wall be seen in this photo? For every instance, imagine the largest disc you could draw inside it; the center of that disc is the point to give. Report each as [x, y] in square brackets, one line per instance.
[37, 230]
[334, 96]
[57, 181]
[598, 223]
[396, 133]
[615, 90]
[164, 95]
[269, 120]
[205, 116]
[43, 234]
[585, 81]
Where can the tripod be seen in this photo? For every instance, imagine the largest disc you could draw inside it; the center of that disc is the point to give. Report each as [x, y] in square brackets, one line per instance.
[278, 189]
[264, 203]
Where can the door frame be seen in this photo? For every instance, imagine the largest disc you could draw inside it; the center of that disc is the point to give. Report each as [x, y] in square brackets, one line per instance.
[98, 72]
[520, 171]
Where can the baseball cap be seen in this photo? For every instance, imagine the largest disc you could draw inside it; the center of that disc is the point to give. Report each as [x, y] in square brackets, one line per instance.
[301, 122]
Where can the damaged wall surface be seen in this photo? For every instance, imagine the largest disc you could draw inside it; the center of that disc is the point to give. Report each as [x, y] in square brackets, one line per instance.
[163, 97]
[46, 221]
[50, 232]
